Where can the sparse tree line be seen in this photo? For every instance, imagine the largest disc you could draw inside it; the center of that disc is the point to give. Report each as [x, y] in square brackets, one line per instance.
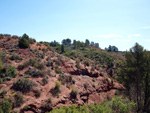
[68, 44]
[112, 48]
[25, 41]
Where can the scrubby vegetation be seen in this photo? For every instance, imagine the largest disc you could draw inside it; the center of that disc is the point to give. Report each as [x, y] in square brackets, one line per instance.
[48, 105]
[56, 90]
[73, 93]
[32, 62]
[66, 79]
[15, 57]
[5, 106]
[25, 41]
[89, 54]
[57, 86]
[23, 85]
[37, 93]
[44, 63]
[116, 105]
[7, 72]
[18, 100]
[45, 80]
[3, 93]
[35, 72]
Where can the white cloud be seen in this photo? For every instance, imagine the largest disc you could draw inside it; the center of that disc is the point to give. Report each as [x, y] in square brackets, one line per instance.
[110, 36]
[129, 36]
[146, 28]
[148, 40]
[122, 40]
[136, 34]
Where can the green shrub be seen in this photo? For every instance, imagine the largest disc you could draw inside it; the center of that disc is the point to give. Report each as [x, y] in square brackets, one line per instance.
[1, 36]
[23, 85]
[3, 93]
[35, 72]
[72, 109]
[7, 73]
[40, 55]
[24, 65]
[73, 94]
[108, 97]
[56, 90]
[86, 62]
[69, 78]
[45, 80]
[86, 85]
[3, 57]
[24, 43]
[11, 72]
[49, 72]
[5, 106]
[77, 64]
[32, 41]
[1, 80]
[57, 70]
[57, 86]
[32, 62]
[66, 79]
[49, 63]
[48, 105]
[122, 105]
[18, 100]
[15, 111]
[62, 78]
[116, 105]
[37, 93]
[1, 66]
[15, 57]
[39, 66]
[20, 67]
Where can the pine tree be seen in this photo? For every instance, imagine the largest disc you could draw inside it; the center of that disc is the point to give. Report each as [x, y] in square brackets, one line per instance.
[146, 84]
[133, 73]
[62, 48]
[24, 41]
[87, 42]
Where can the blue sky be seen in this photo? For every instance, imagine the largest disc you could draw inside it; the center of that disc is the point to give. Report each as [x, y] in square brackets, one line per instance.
[108, 22]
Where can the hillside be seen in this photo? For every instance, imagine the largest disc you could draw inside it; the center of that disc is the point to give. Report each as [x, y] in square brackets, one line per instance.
[39, 77]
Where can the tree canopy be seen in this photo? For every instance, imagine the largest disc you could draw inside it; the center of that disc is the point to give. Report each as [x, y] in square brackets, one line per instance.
[135, 75]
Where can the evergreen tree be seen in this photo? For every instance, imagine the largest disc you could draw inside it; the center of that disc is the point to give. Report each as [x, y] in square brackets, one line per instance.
[74, 44]
[96, 45]
[87, 42]
[146, 84]
[62, 48]
[25, 36]
[92, 43]
[135, 76]
[54, 43]
[24, 41]
[66, 42]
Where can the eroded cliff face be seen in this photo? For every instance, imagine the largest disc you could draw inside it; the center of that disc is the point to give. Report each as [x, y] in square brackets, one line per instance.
[91, 86]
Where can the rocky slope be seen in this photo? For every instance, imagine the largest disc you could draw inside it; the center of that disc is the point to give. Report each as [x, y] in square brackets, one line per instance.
[91, 86]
